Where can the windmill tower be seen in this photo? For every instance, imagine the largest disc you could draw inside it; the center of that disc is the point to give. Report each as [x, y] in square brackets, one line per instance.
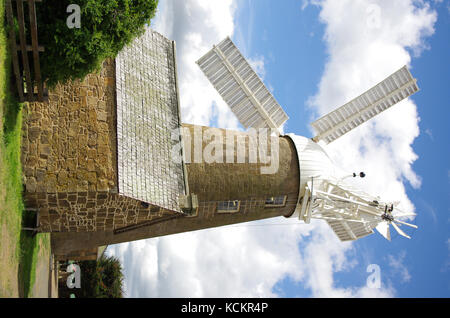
[137, 172]
[323, 191]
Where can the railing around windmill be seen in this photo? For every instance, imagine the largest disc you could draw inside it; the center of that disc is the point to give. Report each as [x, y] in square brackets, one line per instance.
[30, 88]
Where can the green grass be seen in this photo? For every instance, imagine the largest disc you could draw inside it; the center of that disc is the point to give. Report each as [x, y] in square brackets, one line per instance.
[19, 249]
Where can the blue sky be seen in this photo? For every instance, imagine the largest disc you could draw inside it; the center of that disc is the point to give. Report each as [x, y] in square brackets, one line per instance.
[309, 53]
[291, 41]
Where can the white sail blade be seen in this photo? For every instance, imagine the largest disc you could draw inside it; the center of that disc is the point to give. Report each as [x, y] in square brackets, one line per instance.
[383, 229]
[399, 230]
[392, 90]
[240, 87]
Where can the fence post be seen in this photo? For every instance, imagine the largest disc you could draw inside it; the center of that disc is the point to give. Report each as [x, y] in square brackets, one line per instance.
[24, 69]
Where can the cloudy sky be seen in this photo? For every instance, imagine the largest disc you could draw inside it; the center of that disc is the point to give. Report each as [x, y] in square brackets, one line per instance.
[315, 56]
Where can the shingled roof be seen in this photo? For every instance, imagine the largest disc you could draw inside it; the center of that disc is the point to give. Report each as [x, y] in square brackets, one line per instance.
[148, 119]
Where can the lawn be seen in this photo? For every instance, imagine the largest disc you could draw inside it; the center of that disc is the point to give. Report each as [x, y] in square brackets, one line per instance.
[19, 250]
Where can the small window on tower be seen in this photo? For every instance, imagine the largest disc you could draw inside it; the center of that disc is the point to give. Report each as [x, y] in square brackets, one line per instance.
[228, 206]
[278, 201]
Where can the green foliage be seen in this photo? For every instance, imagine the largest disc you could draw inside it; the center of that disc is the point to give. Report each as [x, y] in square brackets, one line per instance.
[106, 26]
[102, 278]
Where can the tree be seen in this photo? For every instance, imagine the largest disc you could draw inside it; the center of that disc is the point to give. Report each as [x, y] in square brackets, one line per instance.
[110, 283]
[102, 278]
[106, 26]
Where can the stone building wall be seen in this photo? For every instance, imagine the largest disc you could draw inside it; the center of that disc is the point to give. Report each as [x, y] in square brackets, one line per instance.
[68, 142]
[69, 159]
[90, 211]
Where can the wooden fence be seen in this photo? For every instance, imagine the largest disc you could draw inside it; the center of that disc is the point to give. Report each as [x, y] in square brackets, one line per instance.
[29, 88]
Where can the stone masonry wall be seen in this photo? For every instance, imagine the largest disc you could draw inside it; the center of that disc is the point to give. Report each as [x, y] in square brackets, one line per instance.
[90, 211]
[68, 143]
[69, 159]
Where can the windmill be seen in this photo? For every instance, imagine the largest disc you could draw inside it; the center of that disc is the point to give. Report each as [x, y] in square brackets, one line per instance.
[324, 192]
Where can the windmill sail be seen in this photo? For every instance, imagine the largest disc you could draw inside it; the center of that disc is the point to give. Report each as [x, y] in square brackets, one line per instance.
[392, 90]
[383, 229]
[240, 87]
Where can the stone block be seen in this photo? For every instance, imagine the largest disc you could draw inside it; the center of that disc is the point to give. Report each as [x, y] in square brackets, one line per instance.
[34, 133]
[31, 184]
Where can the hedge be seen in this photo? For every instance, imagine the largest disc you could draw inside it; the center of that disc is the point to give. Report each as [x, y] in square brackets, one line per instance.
[106, 27]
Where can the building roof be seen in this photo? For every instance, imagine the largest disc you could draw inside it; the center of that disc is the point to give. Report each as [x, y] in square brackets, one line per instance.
[148, 122]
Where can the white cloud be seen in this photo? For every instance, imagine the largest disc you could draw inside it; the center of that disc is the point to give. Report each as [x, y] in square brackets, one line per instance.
[305, 3]
[234, 261]
[324, 255]
[257, 64]
[398, 268]
[245, 260]
[197, 25]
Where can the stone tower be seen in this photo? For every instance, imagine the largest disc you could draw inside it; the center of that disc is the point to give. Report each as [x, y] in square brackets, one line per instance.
[227, 193]
[107, 160]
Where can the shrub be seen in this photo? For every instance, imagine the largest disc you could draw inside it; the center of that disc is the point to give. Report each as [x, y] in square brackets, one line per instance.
[102, 278]
[106, 26]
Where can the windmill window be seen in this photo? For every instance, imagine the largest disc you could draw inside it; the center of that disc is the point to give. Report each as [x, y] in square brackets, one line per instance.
[278, 201]
[228, 206]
